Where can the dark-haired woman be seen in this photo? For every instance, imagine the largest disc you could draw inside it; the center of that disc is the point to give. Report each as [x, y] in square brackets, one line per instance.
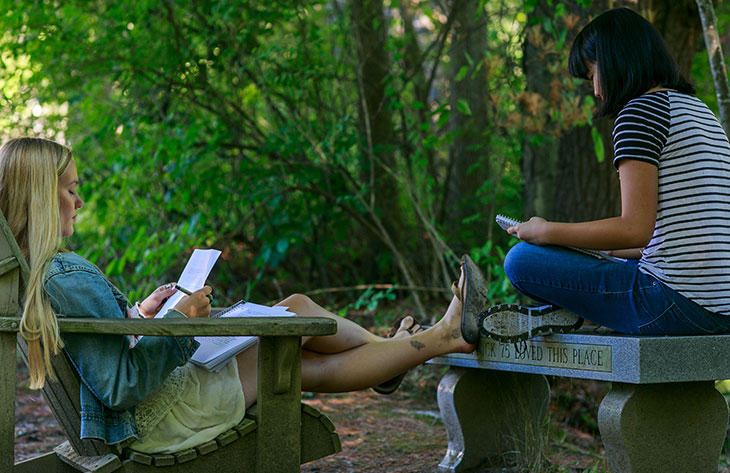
[673, 162]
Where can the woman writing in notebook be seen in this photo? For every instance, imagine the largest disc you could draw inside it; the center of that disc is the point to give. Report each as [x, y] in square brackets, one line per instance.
[146, 394]
[673, 162]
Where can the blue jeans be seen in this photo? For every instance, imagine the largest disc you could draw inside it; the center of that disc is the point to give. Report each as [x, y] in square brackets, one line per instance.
[615, 295]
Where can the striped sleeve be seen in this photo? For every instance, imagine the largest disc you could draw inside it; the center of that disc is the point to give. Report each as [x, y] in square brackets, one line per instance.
[641, 129]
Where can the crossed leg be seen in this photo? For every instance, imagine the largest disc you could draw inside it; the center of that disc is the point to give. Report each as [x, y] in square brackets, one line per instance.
[354, 358]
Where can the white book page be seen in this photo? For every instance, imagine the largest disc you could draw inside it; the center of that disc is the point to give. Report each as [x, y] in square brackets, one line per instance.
[212, 348]
[193, 277]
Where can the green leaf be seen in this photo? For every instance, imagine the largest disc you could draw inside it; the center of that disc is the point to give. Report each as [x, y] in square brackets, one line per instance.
[463, 106]
[598, 145]
[548, 25]
[561, 40]
[443, 118]
[282, 245]
[462, 73]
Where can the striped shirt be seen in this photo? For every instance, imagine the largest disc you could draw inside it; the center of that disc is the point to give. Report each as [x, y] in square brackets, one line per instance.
[690, 248]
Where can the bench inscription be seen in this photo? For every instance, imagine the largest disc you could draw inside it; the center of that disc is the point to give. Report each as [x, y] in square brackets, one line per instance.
[572, 356]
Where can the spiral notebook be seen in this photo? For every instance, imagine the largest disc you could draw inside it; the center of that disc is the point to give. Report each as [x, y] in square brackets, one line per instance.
[214, 352]
[506, 222]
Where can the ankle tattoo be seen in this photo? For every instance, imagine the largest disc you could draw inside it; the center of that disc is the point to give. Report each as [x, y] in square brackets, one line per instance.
[417, 345]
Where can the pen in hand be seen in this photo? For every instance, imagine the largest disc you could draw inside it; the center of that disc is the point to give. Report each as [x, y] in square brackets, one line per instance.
[185, 291]
[182, 289]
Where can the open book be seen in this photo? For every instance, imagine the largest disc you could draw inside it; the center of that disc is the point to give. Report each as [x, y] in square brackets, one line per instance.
[506, 222]
[214, 352]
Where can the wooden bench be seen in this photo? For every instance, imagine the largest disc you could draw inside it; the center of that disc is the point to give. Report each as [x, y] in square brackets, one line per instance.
[662, 414]
[277, 435]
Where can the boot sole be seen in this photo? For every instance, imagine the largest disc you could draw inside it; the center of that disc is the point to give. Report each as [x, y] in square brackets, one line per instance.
[511, 323]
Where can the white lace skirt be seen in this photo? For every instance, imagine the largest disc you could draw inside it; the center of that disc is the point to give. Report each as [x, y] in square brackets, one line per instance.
[192, 406]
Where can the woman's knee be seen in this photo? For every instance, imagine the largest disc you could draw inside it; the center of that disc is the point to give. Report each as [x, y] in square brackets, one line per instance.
[518, 260]
[297, 303]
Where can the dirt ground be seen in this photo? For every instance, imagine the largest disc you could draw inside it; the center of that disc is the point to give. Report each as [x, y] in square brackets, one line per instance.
[403, 433]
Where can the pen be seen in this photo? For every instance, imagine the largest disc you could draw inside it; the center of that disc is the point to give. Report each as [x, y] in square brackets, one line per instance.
[182, 289]
[185, 291]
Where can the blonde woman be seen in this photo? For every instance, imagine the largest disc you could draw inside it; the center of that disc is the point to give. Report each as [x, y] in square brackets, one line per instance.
[146, 394]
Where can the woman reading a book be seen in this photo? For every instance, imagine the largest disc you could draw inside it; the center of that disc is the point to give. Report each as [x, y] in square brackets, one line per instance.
[673, 162]
[146, 393]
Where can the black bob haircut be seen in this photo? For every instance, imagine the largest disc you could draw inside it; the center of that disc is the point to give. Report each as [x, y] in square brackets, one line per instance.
[631, 58]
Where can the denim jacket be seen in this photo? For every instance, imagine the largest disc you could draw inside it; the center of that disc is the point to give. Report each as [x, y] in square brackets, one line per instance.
[115, 377]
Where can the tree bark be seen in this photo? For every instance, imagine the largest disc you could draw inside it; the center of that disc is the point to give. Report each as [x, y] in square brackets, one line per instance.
[376, 120]
[468, 165]
[564, 181]
[717, 60]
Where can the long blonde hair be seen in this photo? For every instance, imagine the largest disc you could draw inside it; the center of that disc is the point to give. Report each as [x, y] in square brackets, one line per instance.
[29, 172]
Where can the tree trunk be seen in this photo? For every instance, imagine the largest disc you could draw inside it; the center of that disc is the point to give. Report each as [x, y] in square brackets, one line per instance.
[564, 181]
[717, 60]
[468, 167]
[376, 118]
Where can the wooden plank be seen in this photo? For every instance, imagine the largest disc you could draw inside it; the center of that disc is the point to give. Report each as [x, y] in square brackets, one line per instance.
[186, 455]
[62, 397]
[99, 464]
[227, 437]
[245, 427]
[9, 246]
[8, 264]
[161, 459]
[178, 327]
[206, 448]
[278, 441]
[45, 462]
[7, 394]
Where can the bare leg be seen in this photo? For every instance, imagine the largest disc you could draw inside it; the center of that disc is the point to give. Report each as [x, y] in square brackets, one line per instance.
[248, 362]
[372, 363]
[248, 373]
[354, 358]
[349, 334]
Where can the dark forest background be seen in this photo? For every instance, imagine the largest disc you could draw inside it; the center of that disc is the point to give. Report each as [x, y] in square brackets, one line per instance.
[355, 147]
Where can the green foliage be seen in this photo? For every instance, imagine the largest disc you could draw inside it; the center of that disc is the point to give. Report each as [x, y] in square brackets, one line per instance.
[372, 297]
[238, 125]
[598, 145]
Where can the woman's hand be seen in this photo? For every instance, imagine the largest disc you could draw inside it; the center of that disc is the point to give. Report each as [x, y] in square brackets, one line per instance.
[149, 307]
[533, 231]
[196, 304]
[629, 253]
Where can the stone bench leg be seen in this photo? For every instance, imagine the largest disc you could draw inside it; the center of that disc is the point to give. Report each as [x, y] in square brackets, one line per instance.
[667, 428]
[492, 418]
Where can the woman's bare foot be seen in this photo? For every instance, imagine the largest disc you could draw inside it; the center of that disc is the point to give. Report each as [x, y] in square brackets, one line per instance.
[408, 326]
[450, 325]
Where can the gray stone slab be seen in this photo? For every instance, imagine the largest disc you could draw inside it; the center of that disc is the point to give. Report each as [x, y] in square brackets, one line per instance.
[607, 357]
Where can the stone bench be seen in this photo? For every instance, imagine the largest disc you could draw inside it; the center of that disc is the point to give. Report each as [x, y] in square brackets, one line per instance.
[662, 414]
